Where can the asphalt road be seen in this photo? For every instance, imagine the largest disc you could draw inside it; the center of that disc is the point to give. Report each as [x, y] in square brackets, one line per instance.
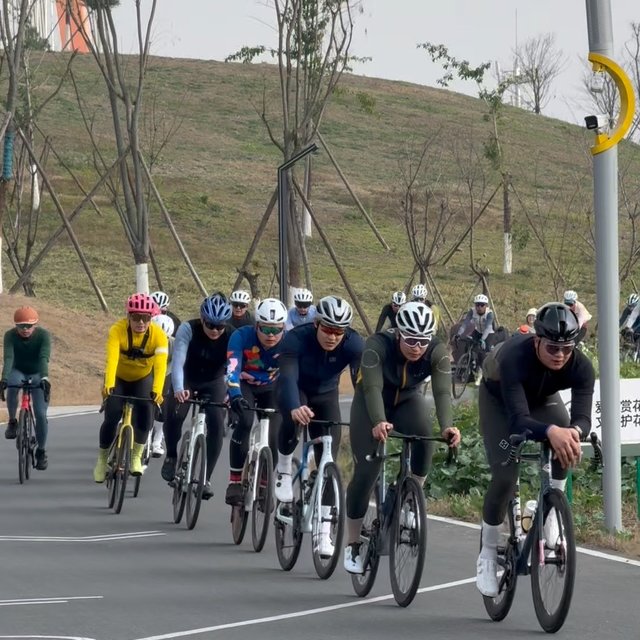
[72, 569]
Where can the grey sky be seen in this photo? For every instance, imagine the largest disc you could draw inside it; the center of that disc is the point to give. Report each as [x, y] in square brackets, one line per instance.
[388, 31]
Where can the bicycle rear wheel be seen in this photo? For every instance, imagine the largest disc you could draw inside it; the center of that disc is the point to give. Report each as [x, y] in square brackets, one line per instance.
[122, 466]
[261, 509]
[197, 480]
[288, 524]
[553, 565]
[179, 497]
[408, 542]
[22, 445]
[460, 374]
[328, 517]
[499, 607]
[369, 547]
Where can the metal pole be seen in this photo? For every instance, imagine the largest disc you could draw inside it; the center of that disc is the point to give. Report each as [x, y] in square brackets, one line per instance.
[605, 198]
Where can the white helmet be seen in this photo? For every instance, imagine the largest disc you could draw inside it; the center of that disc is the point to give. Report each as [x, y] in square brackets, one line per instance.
[633, 300]
[398, 297]
[161, 299]
[416, 319]
[419, 292]
[303, 295]
[481, 299]
[570, 297]
[271, 311]
[165, 323]
[532, 312]
[335, 312]
[240, 297]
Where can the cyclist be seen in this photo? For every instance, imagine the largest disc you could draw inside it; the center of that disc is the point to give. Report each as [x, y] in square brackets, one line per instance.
[313, 357]
[302, 311]
[198, 365]
[162, 300]
[165, 322]
[395, 363]
[630, 317]
[26, 353]
[419, 293]
[136, 365]
[252, 371]
[583, 315]
[527, 327]
[479, 322]
[519, 393]
[389, 311]
[241, 316]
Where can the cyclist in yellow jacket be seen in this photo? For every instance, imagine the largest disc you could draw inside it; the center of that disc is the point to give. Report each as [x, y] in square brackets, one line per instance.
[136, 365]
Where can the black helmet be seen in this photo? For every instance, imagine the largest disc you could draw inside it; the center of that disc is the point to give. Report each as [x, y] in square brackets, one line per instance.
[557, 322]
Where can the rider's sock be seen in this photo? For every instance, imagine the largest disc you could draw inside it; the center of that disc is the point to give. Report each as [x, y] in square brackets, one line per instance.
[419, 479]
[490, 535]
[354, 526]
[284, 462]
[557, 483]
[235, 475]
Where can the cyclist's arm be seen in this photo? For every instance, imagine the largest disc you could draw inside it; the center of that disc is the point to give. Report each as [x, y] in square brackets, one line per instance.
[623, 317]
[113, 356]
[382, 318]
[289, 395]
[179, 355]
[356, 349]
[465, 322]
[441, 385]
[160, 356]
[45, 354]
[582, 394]
[488, 328]
[7, 351]
[288, 325]
[372, 379]
[234, 364]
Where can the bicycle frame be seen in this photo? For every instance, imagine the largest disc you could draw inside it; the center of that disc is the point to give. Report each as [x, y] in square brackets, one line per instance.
[198, 426]
[258, 440]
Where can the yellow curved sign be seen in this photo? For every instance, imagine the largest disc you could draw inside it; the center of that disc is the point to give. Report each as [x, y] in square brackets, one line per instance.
[627, 102]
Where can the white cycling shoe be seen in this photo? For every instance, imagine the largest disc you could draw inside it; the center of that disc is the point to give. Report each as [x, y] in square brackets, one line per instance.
[157, 450]
[352, 559]
[487, 576]
[283, 489]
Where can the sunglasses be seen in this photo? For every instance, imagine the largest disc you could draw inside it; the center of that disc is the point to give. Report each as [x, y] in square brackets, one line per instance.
[553, 349]
[331, 331]
[481, 304]
[303, 305]
[238, 305]
[140, 317]
[270, 331]
[213, 326]
[25, 325]
[415, 342]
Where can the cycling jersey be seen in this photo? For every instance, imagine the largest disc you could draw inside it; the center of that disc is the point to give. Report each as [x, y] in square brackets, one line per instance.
[482, 323]
[514, 374]
[581, 312]
[27, 355]
[249, 361]
[244, 320]
[295, 319]
[176, 321]
[386, 314]
[630, 318]
[306, 366]
[132, 356]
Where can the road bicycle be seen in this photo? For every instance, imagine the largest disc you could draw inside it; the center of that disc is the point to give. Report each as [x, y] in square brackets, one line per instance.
[466, 368]
[629, 347]
[257, 485]
[396, 524]
[191, 467]
[318, 500]
[146, 458]
[550, 562]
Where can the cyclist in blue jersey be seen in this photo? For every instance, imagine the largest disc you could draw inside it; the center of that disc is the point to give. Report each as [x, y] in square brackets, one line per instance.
[302, 311]
[252, 369]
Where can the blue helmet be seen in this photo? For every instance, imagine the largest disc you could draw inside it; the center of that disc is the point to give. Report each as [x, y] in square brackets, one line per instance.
[215, 309]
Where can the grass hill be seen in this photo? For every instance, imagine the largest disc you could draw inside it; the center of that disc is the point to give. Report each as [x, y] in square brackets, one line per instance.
[218, 171]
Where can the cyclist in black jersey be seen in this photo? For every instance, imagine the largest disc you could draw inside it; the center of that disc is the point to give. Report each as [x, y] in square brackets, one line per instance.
[389, 311]
[518, 394]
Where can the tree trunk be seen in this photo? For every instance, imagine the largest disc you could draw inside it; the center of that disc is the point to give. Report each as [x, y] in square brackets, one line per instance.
[142, 277]
[1, 285]
[508, 254]
[295, 251]
[306, 185]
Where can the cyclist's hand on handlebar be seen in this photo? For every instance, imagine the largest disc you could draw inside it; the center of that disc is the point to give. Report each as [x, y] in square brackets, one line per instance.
[46, 388]
[302, 415]
[565, 444]
[157, 398]
[182, 396]
[452, 436]
[106, 392]
[239, 404]
[381, 430]
[3, 388]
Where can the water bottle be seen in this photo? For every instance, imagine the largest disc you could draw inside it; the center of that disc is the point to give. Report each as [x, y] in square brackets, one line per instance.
[528, 514]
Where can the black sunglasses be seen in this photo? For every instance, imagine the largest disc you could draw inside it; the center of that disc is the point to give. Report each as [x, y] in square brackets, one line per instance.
[213, 326]
[238, 305]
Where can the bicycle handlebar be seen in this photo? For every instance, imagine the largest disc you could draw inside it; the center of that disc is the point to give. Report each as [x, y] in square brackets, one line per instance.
[452, 454]
[205, 402]
[329, 423]
[130, 398]
[26, 384]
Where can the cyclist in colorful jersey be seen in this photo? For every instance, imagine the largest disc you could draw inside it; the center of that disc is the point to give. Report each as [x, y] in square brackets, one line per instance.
[166, 324]
[241, 316]
[302, 311]
[519, 394]
[252, 370]
[198, 366]
[389, 311]
[26, 353]
[136, 365]
[162, 300]
[388, 395]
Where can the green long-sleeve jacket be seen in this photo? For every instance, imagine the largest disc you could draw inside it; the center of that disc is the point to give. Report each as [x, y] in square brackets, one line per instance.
[30, 355]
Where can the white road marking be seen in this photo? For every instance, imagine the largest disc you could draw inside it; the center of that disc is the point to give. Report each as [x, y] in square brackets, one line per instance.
[97, 538]
[44, 638]
[50, 600]
[300, 614]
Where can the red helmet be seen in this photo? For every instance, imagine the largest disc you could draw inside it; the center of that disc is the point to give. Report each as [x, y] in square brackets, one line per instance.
[25, 315]
[142, 303]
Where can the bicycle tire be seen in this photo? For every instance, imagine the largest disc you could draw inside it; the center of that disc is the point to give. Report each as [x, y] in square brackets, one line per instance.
[369, 547]
[497, 608]
[563, 565]
[179, 496]
[196, 482]
[325, 566]
[21, 444]
[111, 479]
[460, 375]
[287, 549]
[261, 508]
[30, 446]
[411, 534]
[122, 468]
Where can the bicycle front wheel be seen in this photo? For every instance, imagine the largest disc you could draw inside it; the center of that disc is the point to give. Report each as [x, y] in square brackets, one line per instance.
[499, 607]
[328, 522]
[408, 542]
[261, 509]
[22, 444]
[369, 548]
[179, 497]
[288, 524]
[123, 461]
[197, 480]
[553, 564]
[460, 374]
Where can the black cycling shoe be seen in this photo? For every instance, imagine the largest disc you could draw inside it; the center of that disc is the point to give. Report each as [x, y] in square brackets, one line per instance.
[168, 470]
[207, 491]
[234, 495]
[42, 462]
[12, 430]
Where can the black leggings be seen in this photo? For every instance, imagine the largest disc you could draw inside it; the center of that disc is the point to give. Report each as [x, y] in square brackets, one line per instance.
[411, 416]
[177, 412]
[494, 425]
[264, 398]
[142, 411]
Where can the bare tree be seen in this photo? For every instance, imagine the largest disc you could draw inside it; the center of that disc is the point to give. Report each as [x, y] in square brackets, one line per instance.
[540, 62]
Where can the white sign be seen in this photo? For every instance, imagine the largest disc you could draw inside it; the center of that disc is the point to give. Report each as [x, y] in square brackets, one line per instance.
[629, 409]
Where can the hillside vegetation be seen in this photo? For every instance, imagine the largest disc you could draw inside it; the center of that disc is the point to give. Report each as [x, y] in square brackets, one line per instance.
[218, 170]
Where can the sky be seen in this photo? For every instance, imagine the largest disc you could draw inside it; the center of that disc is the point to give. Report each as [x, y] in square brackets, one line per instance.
[389, 30]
